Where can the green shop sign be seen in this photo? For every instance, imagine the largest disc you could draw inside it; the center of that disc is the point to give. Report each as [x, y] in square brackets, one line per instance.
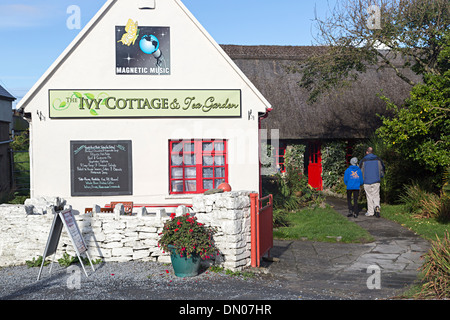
[144, 103]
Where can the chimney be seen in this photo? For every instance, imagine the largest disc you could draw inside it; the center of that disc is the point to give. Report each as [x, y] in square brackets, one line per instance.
[147, 4]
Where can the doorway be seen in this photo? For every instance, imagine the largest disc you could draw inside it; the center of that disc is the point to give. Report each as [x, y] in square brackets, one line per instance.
[314, 164]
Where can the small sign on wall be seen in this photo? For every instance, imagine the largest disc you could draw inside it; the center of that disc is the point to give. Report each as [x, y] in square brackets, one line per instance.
[142, 50]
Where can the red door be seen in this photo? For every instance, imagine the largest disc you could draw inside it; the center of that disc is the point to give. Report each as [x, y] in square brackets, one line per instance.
[315, 165]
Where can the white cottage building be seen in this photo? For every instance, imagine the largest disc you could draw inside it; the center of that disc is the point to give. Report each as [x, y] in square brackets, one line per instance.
[144, 107]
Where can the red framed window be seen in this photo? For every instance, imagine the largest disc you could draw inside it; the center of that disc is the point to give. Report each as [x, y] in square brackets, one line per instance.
[197, 165]
[279, 157]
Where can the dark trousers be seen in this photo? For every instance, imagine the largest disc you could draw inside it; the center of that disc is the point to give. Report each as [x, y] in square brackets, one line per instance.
[353, 194]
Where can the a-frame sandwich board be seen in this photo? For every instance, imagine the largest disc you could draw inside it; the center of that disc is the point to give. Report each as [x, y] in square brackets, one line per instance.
[65, 218]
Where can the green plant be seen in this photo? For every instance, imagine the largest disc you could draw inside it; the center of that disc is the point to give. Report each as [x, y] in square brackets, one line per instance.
[244, 274]
[187, 236]
[280, 218]
[436, 270]
[36, 262]
[443, 213]
[446, 182]
[424, 204]
[68, 260]
[333, 165]
[413, 197]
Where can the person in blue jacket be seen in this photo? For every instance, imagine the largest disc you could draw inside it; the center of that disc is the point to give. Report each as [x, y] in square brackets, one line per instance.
[353, 179]
[372, 168]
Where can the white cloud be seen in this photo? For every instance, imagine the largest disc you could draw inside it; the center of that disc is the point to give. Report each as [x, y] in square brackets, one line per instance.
[25, 16]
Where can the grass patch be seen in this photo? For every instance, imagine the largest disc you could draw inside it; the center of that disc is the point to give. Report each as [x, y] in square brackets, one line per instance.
[427, 228]
[321, 224]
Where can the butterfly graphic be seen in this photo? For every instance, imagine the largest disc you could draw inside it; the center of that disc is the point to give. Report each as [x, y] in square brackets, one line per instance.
[354, 174]
[132, 33]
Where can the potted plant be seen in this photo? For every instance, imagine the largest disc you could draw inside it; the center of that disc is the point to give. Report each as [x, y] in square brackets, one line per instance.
[188, 242]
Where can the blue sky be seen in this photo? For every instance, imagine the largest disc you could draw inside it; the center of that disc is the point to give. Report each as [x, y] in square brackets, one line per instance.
[34, 33]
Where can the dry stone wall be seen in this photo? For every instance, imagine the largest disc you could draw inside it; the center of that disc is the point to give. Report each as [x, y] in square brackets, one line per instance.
[24, 230]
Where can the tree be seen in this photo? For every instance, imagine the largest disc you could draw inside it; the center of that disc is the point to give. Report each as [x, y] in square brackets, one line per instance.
[420, 129]
[363, 33]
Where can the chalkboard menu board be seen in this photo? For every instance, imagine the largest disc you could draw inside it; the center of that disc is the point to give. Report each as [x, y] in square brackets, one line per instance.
[101, 168]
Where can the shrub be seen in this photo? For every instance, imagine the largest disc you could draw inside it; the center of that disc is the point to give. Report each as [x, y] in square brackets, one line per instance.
[334, 165]
[425, 204]
[414, 197]
[436, 270]
[443, 214]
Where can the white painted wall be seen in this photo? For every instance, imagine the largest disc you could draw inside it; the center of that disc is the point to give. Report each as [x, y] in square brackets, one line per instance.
[197, 62]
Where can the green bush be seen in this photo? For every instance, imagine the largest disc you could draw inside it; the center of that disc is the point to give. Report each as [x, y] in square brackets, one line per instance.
[334, 165]
[424, 204]
[436, 270]
[413, 197]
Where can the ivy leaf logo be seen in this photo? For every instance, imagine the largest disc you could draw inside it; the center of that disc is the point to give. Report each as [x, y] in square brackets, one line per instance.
[90, 96]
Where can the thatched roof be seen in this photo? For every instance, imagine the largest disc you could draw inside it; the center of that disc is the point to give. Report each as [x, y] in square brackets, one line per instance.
[345, 114]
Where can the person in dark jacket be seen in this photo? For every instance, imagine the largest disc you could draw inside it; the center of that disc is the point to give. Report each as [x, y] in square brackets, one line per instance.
[372, 169]
[353, 179]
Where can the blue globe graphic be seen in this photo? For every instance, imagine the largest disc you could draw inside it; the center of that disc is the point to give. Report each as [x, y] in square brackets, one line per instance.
[149, 44]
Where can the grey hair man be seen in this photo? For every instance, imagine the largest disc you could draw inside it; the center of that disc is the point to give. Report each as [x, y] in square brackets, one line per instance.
[372, 168]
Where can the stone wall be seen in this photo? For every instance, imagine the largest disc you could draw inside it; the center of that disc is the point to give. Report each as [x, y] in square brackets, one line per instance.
[24, 230]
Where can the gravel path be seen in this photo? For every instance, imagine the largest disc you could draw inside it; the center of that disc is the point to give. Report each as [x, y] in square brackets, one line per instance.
[137, 281]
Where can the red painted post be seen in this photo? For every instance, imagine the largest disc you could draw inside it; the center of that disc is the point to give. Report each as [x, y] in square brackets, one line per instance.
[254, 236]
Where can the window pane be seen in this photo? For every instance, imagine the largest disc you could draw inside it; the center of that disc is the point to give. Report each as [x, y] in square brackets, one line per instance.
[189, 147]
[218, 146]
[207, 146]
[176, 160]
[189, 159]
[219, 172]
[177, 186]
[208, 161]
[177, 173]
[190, 172]
[217, 182]
[177, 147]
[219, 160]
[207, 184]
[207, 172]
[191, 185]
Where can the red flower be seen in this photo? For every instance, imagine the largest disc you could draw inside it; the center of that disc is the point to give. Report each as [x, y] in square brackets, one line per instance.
[172, 215]
[190, 230]
[178, 222]
[175, 230]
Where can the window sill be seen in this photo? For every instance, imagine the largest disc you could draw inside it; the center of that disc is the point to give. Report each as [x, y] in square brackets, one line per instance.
[181, 196]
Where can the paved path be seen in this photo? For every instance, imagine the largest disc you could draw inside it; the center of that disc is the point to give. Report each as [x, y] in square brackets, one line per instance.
[340, 270]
